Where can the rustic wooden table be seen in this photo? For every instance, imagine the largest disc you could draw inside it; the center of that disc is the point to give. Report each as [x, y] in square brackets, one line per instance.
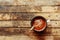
[16, 15]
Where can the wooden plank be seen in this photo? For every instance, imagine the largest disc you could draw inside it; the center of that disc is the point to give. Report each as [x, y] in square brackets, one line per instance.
[27, 31]
[25, 37]
[30, 2]
[27, 8]
[28, 16]
[20, 37]
[26, 24]
[39, 2]
[33, 9]
[29, 37]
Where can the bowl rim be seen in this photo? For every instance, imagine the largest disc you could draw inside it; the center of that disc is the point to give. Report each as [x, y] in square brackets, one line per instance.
[39, 17]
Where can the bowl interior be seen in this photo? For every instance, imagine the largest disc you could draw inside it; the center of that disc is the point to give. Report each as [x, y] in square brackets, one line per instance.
[36, 18]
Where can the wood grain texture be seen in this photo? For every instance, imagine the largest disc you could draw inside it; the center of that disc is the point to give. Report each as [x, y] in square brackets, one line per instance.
[27, 31]
[28, 8]
[20, 37]
[26, 24]
[25, 37]
[30, 2]
[28, 16]
[16, 15]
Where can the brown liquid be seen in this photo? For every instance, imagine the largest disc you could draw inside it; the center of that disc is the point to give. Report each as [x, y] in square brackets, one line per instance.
[41, 26]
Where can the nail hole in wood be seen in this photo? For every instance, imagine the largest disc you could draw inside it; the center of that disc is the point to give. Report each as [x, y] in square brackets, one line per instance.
[49, 16]
[56, 23]
[56, 15]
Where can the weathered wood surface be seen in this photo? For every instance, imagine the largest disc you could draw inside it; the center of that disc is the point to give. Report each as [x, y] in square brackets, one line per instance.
[18, 23]
[22, 37]
[28, 8]
[27, 16]
[26, 24]
[29, 2]
[16, 15]
[18, 31]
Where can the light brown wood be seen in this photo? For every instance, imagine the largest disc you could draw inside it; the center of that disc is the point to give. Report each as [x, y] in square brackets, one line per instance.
[29, 8]
[30, 2]
[25, 37]
[28, 16]
[29, 37]
[26, 24]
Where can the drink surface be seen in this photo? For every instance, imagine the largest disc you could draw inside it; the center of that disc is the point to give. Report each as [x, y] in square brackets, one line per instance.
[39, 24]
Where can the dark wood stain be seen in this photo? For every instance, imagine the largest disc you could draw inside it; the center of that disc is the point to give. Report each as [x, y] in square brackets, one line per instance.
[25, 31]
